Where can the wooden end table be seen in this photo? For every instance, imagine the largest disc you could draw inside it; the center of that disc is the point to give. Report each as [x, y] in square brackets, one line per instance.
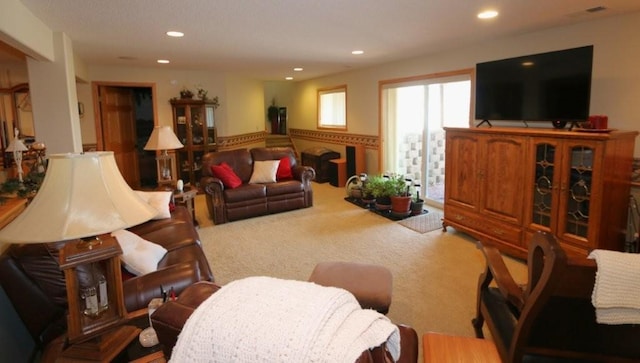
[187, 198]
[449, 348]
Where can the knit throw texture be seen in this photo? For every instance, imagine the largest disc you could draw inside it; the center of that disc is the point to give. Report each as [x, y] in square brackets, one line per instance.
[265, 319]
[616, 294]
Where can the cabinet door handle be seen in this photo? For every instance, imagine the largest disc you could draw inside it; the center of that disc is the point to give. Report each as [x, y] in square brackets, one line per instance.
[459, 217]
[499, 232]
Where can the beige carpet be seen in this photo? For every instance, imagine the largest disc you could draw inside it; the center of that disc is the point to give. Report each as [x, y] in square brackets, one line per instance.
[435, 273]
[424, 223]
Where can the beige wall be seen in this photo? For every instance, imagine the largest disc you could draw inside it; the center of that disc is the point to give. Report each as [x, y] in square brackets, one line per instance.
[616, 81]
[615, 86]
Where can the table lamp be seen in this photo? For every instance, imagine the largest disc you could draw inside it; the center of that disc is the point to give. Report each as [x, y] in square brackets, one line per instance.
[17, 147]
[82, 199]
[162, 138]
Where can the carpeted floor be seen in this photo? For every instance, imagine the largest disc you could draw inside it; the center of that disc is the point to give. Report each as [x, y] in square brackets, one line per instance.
[434, 273]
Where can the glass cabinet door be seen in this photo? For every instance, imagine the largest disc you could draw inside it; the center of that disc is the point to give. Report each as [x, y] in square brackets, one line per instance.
[543, 184]
[211, 130]
[181, 124]
[197, 137]
[579, 190]
[184, 166]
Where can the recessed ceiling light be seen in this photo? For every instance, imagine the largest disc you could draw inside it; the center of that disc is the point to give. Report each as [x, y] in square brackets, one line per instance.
[527, 64]
[163, 61]
[175, 34]
[487, 14]
[288, 78]
[357, 52]
[298, 69]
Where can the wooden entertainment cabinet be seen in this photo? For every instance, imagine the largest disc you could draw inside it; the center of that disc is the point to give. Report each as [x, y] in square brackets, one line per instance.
[504, 184]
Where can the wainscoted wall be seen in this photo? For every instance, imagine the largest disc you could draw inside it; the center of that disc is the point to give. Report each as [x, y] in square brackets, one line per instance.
[369, 141]
[255, 139]
[337, 141]
[304, 139]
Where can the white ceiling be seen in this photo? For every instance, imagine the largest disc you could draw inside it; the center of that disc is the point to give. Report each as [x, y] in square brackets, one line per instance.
[267, 38]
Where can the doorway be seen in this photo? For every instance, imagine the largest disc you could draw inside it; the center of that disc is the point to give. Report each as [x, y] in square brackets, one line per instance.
[414, 114]
[125, 118]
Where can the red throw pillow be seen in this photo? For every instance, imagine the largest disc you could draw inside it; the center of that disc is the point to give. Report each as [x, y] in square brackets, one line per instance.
[284, 169]
[226, 175]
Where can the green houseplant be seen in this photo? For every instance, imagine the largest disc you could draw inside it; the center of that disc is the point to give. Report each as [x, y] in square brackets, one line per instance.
[379, 187]
[401, 196]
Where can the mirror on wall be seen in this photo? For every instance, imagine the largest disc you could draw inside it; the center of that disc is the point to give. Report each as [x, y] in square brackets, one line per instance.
[15, 113]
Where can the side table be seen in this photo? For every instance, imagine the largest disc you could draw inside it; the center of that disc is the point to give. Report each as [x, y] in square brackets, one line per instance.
[187, 198]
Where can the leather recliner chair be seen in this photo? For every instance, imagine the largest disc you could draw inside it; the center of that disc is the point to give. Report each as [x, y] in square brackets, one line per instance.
[169, 319]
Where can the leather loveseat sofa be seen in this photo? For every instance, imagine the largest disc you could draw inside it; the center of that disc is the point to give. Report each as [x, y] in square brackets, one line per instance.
[31, 277]
[247, 200]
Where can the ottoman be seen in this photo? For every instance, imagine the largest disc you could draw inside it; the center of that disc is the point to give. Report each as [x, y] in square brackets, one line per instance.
[370, 284]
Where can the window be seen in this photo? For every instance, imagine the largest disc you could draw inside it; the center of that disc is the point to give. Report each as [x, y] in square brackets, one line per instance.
[414, 112]
[332, 107]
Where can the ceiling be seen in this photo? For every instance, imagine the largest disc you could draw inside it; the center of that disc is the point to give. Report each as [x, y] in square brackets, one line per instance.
[268, 38]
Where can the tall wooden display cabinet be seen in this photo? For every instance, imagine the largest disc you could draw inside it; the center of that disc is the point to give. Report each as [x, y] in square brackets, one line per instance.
[194, 125]
[505, 184]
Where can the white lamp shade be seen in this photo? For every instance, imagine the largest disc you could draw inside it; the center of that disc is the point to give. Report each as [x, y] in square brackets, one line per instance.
[82, 195]
[163, 138]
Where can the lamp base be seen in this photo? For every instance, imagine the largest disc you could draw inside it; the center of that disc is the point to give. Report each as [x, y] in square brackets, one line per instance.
[88, 243]
[103, 348]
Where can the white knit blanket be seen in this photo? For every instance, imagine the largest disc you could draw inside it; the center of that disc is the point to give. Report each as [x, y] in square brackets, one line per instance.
[616, 293]
[264, 319]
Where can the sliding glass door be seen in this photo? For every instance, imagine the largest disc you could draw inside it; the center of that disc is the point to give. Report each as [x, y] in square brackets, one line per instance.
[413, 116]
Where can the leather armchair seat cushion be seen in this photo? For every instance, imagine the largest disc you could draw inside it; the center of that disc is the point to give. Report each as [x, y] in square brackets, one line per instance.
[284, 187]
[245, 192]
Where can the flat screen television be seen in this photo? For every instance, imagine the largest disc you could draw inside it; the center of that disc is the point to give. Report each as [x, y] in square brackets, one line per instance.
[553, 86]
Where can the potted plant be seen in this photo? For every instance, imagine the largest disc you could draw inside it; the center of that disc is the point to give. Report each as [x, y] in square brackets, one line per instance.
[401, 196]
[379, 187]
[186, 93]
[417, 204]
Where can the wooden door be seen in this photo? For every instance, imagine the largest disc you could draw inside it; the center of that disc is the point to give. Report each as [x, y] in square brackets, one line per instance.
[462, 183]
[503, 177]
[119, 131]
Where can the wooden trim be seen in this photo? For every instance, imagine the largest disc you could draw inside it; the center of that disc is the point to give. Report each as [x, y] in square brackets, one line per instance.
[95, 86]
[423, 77]
[236, 141]
[369, 141]
[346, 107]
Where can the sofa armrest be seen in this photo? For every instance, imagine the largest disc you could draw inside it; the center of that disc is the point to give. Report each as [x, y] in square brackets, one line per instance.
[138, 291]
[214, 191]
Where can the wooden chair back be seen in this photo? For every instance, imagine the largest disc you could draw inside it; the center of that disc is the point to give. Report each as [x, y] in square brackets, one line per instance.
[556, 318]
